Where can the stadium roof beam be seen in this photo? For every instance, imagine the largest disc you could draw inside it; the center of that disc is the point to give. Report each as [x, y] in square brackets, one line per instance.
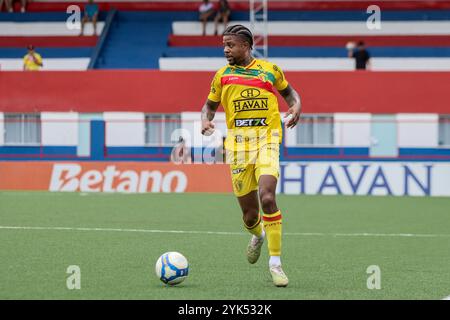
[259, 27]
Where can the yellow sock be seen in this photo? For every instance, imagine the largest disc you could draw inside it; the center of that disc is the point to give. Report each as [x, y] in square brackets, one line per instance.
[272, 226]
[257, 228]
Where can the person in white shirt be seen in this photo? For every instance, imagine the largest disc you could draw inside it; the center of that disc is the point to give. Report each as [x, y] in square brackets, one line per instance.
[206, 10]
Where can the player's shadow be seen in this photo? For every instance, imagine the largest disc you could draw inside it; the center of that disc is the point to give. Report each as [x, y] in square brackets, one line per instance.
[177, 287]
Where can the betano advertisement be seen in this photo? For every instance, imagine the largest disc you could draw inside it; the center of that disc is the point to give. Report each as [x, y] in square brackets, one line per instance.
[355, 178]
[132, 177]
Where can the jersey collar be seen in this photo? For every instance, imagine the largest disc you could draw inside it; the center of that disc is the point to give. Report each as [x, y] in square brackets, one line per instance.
[246, 67]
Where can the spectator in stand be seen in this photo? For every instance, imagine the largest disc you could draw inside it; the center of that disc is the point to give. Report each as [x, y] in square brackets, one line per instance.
[90, 14]
[223, 14]
[9, 5]
[206, 11]
[32, 61]
[360, 54]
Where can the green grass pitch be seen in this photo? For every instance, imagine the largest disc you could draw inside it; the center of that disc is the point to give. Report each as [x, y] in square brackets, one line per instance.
[329, 243]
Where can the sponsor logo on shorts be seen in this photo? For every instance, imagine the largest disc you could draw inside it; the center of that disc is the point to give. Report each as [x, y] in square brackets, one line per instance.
[252, 122]
[238, 170]
[241, 139]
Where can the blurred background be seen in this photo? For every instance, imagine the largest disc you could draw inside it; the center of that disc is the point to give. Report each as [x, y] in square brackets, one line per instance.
[104, 82]
[102, 98]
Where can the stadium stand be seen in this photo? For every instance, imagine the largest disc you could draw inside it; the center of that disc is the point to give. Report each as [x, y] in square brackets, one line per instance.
[315, 40]
[167, 35]
[103, 164]
[61, 47]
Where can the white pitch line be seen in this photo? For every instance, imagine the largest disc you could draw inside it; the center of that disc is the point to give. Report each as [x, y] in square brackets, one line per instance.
[365, 234]
[410, 235]
[119, 230]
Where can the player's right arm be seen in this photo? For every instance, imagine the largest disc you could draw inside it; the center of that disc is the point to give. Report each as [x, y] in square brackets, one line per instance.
[208, 112]
[212, 103]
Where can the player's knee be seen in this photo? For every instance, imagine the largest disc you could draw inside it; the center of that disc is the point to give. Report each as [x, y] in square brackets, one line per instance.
[268, 203]
[250, 217]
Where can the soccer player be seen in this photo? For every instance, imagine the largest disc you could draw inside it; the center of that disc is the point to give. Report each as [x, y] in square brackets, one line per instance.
[246, 89]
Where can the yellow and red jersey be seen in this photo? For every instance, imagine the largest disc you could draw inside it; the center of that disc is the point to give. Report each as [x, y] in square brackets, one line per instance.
[248, 97]
[30, 64]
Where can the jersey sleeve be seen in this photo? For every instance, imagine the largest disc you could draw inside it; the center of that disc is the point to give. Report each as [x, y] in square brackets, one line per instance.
[280, 81]
[216, 87]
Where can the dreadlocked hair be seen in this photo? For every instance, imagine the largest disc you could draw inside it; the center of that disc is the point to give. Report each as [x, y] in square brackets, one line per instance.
[241, 31]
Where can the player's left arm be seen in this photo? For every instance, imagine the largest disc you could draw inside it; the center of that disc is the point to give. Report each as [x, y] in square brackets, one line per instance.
[37, 59]
[293, 100]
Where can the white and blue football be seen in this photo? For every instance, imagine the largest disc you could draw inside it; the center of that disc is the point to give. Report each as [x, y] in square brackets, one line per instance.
[172, 268]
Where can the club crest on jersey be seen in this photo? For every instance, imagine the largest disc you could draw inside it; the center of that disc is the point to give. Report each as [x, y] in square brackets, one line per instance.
[252, 122]
[263, 76]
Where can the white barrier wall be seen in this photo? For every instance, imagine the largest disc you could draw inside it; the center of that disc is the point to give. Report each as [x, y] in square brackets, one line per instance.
[59, 128]
[366, 178]
[124, 128]
[330, 28]
[417, 130]
[290, 136]
[191, 126]
[2, 129]
[50, 64]
[129, 128]
[352, 129]
[46, 29]
[290, 64]
[313, 64]
[410, 64]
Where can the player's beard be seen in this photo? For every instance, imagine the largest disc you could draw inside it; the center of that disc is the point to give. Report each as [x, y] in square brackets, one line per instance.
[231, 60]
